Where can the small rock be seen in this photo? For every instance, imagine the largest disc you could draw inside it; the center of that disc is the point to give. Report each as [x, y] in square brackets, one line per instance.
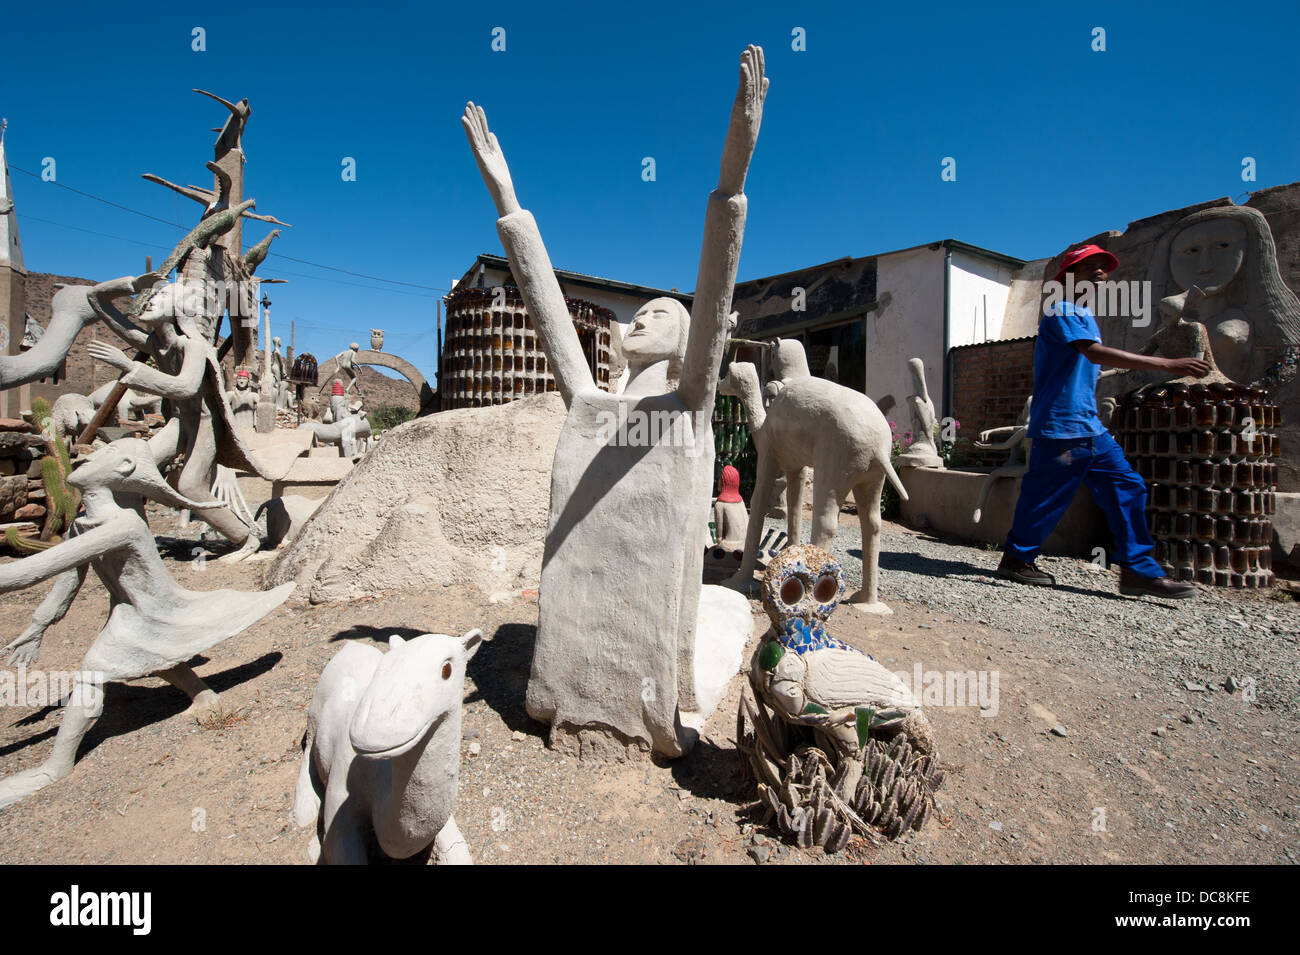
[1159, 731]
[1194, 687]
[469, 734]
[995, 826]
[759, 854]
[1188, 718]
[475, 748]
[1058, 731]
[1230, 685]
[518, 736]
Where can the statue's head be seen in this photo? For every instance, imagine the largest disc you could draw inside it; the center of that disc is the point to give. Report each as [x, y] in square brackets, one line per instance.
[1229, 251]
[127, 464]
[1208, 253]
[276, 341]
[658, 333]
[242, 379]
[416, 684]
[178, 302]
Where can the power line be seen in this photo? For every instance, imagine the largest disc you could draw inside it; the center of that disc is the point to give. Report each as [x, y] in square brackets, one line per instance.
[177, 225]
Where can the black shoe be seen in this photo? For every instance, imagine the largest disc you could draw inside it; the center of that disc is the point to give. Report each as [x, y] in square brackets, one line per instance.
[1135, 585]
[1024, 572]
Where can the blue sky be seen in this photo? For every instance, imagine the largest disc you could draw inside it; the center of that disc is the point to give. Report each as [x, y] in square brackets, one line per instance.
[1053, 141]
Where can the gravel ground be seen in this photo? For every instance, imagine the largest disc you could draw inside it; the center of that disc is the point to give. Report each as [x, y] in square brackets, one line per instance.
[1220, 633]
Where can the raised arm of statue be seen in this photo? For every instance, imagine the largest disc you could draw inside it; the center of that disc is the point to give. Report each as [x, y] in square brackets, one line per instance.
[101, 300]
[185, 384]
[529, 263]
[724, 227]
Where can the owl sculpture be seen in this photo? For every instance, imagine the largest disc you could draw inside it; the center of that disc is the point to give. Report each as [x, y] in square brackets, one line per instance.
[838, 744]
[811, 678]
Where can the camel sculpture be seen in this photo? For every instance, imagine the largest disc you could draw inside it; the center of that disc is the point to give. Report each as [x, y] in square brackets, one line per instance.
[382, 751]
[154, 625]
[843, 437]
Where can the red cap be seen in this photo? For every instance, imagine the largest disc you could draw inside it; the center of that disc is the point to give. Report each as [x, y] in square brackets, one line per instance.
[338, 386]
[729, 485]
[241, 373]
[1082, 252]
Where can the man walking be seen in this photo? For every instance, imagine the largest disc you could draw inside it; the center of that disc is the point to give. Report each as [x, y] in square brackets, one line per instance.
[1072, 447]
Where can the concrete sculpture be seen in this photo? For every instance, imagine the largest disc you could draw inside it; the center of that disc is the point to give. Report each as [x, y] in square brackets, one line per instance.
[243, 400]
[345, 424]
[281, 390]
[1228, 254]
[843, 437]
[619, 642]
[381, 755]
[832, 729]
[1013, 439]
[73, 308]
[154, 625]
[921, 453]
[188, 375]
[730, 519]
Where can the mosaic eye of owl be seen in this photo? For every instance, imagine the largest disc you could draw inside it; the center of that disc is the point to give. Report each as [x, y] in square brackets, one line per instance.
[826, 588]
[791, 591]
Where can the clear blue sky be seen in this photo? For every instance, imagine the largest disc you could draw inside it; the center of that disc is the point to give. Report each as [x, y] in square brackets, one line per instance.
[1053, 142]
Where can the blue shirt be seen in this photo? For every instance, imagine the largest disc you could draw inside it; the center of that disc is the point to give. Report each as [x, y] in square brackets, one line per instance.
[1065, 382]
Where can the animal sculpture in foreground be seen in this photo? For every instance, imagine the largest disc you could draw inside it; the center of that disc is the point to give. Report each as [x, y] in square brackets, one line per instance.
[843, 437]
[621, 629]
[381, 755]
[154, 625]
[837, 743]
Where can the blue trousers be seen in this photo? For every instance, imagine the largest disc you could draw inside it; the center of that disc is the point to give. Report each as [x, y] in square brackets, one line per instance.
[1056, 469]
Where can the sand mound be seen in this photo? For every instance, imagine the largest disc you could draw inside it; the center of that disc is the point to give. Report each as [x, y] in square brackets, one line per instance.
[459, 496]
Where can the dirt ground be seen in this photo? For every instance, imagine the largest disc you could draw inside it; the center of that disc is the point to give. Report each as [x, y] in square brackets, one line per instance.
[1218, 785]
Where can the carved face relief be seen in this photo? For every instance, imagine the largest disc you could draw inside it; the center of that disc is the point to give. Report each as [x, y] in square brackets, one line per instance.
[1208, 254]
[656, 332]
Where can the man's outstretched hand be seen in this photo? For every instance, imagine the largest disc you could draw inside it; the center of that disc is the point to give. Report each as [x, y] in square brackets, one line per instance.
[1189, 366]
[746, 117]
[491, 161]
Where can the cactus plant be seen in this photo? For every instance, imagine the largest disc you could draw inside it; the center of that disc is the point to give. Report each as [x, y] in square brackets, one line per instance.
[61, 501]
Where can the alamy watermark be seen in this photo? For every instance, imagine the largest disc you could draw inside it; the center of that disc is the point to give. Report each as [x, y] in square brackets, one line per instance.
[641, 428]
[951, 688]
[35, 688]
[1108, 299]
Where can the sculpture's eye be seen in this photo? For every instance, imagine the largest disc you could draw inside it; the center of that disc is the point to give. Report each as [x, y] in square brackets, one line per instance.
[826, 588]
[446, 670]
[792, 591]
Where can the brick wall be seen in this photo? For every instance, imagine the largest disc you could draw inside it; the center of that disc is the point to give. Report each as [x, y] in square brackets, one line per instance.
[990, 382]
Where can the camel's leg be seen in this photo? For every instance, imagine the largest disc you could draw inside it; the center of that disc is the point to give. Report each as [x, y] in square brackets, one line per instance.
[826, 510]
[450, 846]
[83, 708]
[345, 840]
[187, 681]
[795, 482]
[764, 477]
[867, 495]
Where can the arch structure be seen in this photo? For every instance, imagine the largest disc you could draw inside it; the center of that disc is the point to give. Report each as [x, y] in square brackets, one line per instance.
[344, 365]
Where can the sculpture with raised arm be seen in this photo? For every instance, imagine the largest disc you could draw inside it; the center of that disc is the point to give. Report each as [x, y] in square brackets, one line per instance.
[630, 647]
[154, 625]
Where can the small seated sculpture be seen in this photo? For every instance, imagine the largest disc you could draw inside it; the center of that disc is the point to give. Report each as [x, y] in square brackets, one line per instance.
[242, 399]
[921, 453]
[730, 518]
[832, 728]
[154, 625]
[1013, 438]
[345, 425]
[381, 755]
